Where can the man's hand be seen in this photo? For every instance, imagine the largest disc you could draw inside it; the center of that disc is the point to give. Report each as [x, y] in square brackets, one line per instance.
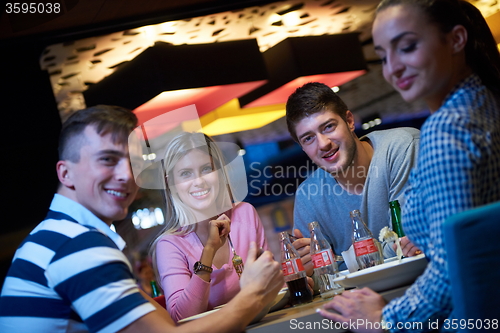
[409, 249]
[303, 247]
[364, 305]
[310, 285]
[262, 275]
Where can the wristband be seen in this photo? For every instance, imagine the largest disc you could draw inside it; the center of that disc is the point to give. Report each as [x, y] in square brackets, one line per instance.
[198, 266]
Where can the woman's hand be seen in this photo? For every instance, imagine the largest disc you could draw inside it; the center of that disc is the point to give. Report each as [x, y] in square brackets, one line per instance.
[217, 232]
[409, 249]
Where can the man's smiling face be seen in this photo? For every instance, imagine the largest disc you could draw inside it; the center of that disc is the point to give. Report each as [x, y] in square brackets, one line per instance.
[328, 140]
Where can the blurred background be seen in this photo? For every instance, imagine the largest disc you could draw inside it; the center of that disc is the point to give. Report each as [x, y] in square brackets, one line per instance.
[237, 61]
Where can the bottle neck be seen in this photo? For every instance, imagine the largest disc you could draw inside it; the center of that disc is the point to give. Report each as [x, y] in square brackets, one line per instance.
[360, 230]
[396, 220]
[155, 291]
[287, 250]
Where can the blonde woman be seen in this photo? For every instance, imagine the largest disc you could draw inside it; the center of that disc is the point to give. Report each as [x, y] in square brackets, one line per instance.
[192, 257]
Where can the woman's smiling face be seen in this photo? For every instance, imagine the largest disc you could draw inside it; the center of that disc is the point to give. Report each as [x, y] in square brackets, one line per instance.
[418, 59]
[197, 182]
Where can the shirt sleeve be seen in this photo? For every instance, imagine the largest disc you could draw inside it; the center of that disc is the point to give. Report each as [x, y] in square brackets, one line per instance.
[402, 162]
[186, 294]
[445, 182]
[101, 287]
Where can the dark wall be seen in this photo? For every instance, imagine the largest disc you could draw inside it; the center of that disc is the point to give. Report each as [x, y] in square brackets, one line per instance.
[31, 126]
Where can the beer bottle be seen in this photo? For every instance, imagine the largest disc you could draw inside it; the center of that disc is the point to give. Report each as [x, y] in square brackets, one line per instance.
[155, 290]
[294, 272]
[367, 252]
[396, 218]
[325, 266]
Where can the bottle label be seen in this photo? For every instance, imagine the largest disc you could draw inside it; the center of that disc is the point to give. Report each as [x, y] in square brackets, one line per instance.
[363, 247]
[323, 258]
[292, 266]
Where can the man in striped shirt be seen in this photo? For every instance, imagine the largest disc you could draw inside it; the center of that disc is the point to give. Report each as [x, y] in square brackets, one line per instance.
[69, 274]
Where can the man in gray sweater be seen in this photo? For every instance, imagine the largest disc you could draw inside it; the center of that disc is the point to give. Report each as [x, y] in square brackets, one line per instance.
[353, 173]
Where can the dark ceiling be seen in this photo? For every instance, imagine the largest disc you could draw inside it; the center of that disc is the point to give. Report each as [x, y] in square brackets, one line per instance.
[83, 18]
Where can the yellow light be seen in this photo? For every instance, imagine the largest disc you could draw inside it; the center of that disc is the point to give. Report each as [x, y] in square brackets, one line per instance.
[274, 18]
[241, 123]
[291, 19]
[149, 32]
[230, 118]
[169, 27]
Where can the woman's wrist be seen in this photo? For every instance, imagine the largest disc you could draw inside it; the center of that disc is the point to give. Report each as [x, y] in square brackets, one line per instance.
[207, 255]
[206, 259]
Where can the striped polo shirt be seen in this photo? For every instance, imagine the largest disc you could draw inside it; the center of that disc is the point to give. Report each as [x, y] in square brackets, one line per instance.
[69, 275]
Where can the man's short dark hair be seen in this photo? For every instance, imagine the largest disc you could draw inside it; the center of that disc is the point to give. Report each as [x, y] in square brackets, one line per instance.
[311, 98]
[104, 118]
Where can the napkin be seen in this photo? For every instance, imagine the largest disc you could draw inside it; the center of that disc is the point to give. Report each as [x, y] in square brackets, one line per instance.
[350, 259]
[389, 236]
[399, 251]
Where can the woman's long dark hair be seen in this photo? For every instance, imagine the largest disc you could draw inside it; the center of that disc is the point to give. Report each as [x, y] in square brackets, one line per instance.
[481, 52]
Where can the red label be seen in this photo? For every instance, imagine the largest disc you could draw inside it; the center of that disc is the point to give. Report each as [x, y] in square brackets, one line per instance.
[322, 258]
[291, 266]
[363, 247]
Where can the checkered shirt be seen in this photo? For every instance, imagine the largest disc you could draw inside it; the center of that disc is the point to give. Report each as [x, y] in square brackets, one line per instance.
[458, 168]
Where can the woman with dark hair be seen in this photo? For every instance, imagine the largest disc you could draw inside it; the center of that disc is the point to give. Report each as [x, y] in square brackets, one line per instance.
[440, 51]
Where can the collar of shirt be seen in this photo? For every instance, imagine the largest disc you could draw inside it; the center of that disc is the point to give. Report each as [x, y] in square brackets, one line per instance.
[472, 82]
[84, 216]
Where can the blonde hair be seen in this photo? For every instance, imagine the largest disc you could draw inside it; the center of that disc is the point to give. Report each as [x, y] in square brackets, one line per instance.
[178, 216]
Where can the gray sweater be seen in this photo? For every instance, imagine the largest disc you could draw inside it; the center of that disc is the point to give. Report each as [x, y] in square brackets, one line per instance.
[320, 198]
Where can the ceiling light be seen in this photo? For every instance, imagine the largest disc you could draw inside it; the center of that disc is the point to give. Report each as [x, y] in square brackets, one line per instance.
[371, 121]
[291, 19]
[274, 18]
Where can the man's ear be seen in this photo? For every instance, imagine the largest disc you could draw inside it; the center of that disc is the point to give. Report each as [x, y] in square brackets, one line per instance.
[64, 174]
[458, 38]
[349, 119]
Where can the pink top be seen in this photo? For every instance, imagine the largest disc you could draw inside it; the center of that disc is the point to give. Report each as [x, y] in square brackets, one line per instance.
[186, 294]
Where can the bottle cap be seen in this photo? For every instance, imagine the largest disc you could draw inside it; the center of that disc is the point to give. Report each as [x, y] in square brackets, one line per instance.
[355, 212]
[394, 203]
[313, 225]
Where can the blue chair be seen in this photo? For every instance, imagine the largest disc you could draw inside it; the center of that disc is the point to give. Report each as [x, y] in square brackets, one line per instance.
[472, 241]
